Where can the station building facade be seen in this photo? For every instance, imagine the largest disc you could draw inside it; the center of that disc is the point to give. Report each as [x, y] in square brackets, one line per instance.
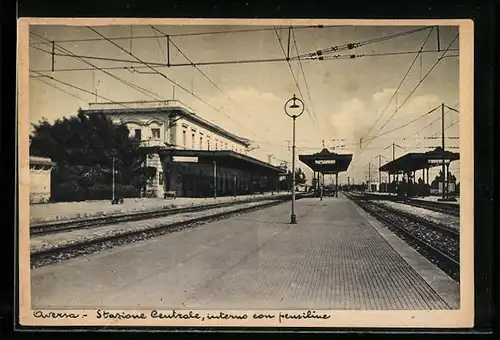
[192, 156]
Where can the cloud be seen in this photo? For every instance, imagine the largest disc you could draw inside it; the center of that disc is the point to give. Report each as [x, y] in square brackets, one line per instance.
[351, 120]
[385, 94]
[356, 117]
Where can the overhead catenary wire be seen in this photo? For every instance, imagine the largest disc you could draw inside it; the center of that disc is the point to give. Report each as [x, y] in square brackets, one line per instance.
[164, 76]
[209, 63]
[207, 77]
[437, 133]
[70, 54]
[304, 75]
[400, 84]
[138, 88]
[353, 45]
[418, 84]
[79, 88]
[296, 82]
[412, 91]
[405, 124]
[428, 125]
[191, 34]
[38, 78]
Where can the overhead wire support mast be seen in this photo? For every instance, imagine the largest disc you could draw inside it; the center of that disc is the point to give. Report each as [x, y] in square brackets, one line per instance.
[412, 91]
[400, 84]
[144, 91]
[163, 75]
[211, 63]
[187, 34]
[350, 46]
[315, 124]
[206, 76]
[304, 76]
[153, 69]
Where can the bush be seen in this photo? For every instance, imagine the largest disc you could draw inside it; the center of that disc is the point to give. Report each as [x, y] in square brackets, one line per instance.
[71, 191]
[68, 192]
[127, 191]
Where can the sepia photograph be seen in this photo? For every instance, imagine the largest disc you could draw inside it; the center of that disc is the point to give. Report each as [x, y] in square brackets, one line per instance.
[223, 172]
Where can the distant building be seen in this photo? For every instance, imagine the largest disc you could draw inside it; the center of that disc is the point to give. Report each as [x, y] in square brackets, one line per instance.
[40, 179]
[191, 154]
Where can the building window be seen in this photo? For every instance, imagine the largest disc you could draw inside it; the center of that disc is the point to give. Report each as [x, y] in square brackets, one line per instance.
[225, 147]
[201, 143]
[137, 134]
[184, 138]
[155, 133]
[192, 141]
[160, 179]
[208, 144]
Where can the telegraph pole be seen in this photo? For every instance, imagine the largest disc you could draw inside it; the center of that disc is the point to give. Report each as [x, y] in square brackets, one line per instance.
[379, 174]
[369, 176]
[442, 146]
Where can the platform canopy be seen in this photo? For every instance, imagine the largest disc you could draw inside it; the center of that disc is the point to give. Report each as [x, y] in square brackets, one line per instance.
[327, 162]
[418, 161]
[225, 158]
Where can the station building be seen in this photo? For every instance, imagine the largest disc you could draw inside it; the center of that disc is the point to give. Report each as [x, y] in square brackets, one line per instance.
[193, 157]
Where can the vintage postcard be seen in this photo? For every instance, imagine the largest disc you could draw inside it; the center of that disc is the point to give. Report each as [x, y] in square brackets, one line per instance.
[227, 172]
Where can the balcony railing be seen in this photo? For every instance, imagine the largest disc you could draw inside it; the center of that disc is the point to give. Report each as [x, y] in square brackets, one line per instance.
[151, 143]
[141, 104]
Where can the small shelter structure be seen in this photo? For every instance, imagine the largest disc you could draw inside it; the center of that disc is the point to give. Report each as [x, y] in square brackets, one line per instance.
[326, 162]
[408, 164]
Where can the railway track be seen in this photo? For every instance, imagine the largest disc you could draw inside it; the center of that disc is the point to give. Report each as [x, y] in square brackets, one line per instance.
[442, 207]
[450, 209]
[439, 245]
[93, 222]
[67, 251]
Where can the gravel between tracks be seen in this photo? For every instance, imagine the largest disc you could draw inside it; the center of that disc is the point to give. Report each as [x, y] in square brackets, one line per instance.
[53, 241]
[433, 237]
[64, 211]
[429, 215]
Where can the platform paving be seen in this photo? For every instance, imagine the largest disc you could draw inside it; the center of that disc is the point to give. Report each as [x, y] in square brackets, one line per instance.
[334, 258]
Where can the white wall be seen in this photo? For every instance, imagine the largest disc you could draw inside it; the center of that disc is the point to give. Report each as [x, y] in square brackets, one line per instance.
[174, 135]
[217, 141]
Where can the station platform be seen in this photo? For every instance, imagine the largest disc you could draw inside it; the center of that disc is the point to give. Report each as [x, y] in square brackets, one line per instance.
[49, 212]
[335, 257]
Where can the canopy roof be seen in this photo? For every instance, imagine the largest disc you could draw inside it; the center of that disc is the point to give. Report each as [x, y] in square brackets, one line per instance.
[417, 161]
[226, 158]
[327, 162]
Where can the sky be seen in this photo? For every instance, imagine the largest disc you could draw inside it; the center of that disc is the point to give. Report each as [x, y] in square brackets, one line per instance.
[345, 99]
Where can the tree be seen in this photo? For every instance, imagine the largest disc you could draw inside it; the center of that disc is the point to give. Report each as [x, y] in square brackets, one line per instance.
[83, 147]
[300, 177]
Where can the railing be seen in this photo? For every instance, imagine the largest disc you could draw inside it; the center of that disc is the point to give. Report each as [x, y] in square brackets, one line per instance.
[151, 143]
[141, 104]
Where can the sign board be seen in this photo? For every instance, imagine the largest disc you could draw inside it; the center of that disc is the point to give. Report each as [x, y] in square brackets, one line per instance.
[435, 161]
[325, 161]
[183, 159]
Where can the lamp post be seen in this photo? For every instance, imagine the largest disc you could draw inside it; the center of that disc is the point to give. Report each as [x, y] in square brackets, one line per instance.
[298, 109]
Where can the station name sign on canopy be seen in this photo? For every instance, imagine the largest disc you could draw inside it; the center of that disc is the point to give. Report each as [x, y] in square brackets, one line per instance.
[327, 162]
[417, 161]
